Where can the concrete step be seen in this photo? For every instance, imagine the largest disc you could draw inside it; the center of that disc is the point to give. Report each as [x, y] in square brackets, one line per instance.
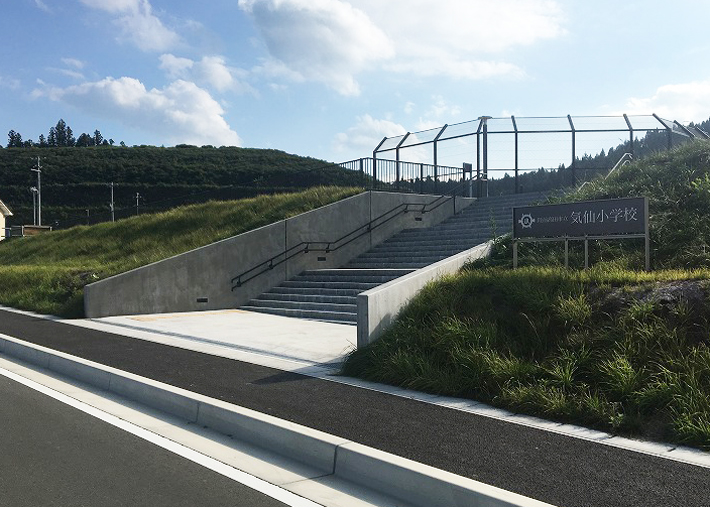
[403, 258]
[344, 277]
[342, 318]
[314, 291]
[316, 297]
[410, 265]
[444, 239]
[329, 285]
[300, 305]
[396, 251]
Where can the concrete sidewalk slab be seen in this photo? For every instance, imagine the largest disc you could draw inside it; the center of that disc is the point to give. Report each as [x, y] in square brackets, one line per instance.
[228, 332]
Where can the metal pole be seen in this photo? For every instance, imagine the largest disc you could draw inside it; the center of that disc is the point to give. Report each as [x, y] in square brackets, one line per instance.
[436, 156]
[648, 236]
[138, 196]
[515, 127]
[515, 254]
[574, 150]
[374, 163]
[631, 135]
[586, 253]
[478, 163]
[362, 173]
[38, 170]
[566, 253]
[113, 216]
[484, 121]
[34, 205]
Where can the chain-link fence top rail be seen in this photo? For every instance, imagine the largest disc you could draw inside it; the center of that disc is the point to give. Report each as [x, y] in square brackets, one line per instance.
[514, 145]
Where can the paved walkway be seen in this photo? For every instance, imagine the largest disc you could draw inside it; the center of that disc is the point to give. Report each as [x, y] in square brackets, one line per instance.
[554, 468]
[282, 342]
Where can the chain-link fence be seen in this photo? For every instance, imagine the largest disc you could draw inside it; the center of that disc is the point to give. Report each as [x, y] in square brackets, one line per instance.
[499, 151]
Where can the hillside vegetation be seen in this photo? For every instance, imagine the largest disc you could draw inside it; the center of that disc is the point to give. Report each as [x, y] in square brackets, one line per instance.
[47, 273]
[76, 179]
[611, 347]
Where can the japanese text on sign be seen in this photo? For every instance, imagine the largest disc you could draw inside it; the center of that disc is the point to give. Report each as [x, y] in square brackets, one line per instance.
[591, 218]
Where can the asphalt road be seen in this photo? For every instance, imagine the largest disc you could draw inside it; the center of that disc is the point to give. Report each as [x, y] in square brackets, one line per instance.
[557, 469]
[52, 454]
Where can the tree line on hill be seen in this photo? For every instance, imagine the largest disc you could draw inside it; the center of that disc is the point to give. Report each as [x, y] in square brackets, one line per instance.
[61, 135]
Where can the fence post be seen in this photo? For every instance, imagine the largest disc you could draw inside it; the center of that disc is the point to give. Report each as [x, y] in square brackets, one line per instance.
[574, 150]
[484, 122]
[362, 173]
[515, 128]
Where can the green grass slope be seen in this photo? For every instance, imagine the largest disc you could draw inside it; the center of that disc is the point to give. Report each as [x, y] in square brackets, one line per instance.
[612, 347]
[47, 273]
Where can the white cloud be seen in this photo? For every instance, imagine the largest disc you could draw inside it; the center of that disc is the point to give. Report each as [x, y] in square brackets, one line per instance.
[175, 67]
[71, 73]
[212, 71]
[327, 41]
[684, 102]
[332, 41]
[113, 5]
[138, 23]
[42, 6]
[73, 62]
[181, 112]
[10, 83]
[365, 135]
[442, 109]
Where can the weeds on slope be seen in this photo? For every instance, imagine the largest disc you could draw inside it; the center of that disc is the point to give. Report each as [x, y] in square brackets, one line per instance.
[47, 273]
[616, 350]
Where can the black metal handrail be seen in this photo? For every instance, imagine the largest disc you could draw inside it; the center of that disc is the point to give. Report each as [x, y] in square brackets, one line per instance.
[331, 246]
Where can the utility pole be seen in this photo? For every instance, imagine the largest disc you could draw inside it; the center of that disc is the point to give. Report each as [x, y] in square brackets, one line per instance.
[113, 216]
[138, 196]
[38, 170]
[34, 205]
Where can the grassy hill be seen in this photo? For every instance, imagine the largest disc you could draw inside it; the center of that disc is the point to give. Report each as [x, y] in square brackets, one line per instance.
[612, 347]
[75, 179]
[47, 273]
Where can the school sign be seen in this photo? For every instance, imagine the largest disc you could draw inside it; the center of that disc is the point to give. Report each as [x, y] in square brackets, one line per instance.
[603, 219]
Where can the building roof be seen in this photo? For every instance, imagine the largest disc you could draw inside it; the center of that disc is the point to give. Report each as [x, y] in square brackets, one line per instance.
[5, 210]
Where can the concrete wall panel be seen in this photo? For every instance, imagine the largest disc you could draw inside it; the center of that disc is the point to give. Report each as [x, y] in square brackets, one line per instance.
[201, 279]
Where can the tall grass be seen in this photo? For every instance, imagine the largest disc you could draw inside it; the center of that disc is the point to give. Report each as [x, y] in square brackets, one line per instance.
[611, 347]
[47, 273]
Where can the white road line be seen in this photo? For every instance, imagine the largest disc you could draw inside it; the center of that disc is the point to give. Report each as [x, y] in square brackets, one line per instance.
[250, 481]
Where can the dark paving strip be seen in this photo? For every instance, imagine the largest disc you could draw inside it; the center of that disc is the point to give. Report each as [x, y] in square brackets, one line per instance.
[556, 469]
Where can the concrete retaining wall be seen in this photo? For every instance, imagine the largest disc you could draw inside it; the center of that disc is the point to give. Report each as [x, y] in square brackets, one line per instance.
[377, 308]
[201, 279]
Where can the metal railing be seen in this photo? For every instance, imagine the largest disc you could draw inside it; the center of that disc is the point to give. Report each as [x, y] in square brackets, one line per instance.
[626, 158]
[331, 246]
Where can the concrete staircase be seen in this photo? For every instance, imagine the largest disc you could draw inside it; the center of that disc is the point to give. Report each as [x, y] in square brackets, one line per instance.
[331, 294]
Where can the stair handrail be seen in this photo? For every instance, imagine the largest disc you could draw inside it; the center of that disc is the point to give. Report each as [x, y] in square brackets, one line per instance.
[626, 158]
[331, 246]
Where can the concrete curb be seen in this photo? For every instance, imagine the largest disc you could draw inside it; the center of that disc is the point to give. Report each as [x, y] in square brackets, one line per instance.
[402, 479]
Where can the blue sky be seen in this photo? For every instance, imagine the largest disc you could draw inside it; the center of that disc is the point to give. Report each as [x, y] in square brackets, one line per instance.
[330, 78]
